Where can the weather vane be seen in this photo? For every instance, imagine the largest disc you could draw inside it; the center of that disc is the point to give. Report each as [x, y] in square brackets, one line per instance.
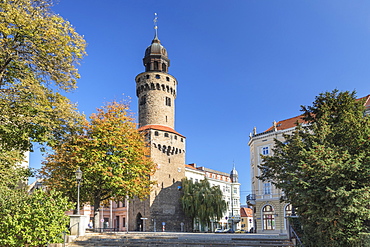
[155, 24]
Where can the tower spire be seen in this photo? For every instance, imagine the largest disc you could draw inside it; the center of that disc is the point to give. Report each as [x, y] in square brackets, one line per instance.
[155, 26]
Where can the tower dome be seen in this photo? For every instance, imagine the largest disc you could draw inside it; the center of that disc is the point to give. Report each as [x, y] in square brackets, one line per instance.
[234, 175]
[156, 48]
[156, 58]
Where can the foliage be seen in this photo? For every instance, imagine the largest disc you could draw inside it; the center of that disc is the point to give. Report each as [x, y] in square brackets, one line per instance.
[323, 168]
[201, 201]
[39, 52]
[31, 219]
[112, 154]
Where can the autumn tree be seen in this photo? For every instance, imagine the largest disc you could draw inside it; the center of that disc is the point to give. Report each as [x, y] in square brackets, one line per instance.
[324, 170]
[39, 52]
[202, 202]
[112, 154]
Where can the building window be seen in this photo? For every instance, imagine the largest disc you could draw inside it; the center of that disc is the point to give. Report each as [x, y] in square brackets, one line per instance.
[265, 150]
[268, 218]
[167, 78]
[288, 210]
[235, 190]
[267, 188]
[168, 101]
[147, 76]
[157, 76]
[156, 133]
[175, 137]
[165, 134]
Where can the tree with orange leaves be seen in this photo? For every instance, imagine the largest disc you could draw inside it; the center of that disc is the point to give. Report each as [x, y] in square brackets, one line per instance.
[112, 154]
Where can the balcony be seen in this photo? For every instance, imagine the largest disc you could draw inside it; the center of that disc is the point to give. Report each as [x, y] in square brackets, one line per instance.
[251, 199]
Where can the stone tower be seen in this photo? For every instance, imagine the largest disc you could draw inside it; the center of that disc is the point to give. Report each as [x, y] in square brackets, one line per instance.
[156, 91]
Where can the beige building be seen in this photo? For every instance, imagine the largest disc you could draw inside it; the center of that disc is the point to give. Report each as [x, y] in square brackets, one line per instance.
[269, 214]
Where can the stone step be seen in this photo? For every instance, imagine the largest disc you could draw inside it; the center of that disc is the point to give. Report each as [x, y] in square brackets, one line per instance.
[191, 240]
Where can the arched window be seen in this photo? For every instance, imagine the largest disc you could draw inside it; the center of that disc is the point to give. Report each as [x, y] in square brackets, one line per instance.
[268, 217]
[164, 67]
[155, 65]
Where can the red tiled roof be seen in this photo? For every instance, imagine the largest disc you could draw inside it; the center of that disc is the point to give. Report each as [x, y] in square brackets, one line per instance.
[367, 101]
[291, 122]
[191, 166]
[246, 212]
[287, 123]
[160, 127]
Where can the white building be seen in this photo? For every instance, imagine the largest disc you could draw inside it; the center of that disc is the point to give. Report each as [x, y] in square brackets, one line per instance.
[230, 187]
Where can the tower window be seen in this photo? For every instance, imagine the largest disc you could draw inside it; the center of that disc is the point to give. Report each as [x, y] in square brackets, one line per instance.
[165, 134]
[156, 133]
[168, 101]
[157, 76]
[147, 76]
[167, 78]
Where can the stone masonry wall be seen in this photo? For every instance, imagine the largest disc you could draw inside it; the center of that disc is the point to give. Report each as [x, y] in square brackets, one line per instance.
[156, 92]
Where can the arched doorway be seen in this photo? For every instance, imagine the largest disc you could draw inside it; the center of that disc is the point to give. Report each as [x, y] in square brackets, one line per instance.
[268, 217]
[139, 222]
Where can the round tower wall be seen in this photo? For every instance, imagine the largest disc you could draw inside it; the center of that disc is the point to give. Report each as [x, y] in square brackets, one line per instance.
[156, 92]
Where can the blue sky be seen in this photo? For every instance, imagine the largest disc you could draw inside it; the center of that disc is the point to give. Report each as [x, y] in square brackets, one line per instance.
[239, 63]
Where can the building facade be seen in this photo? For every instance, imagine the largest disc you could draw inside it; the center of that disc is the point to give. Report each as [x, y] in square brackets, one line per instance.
[246, 219]
[156, 90]
[230, 187]
[269, 213]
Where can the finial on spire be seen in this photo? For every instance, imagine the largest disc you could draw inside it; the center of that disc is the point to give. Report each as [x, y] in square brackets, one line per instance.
[155, 24]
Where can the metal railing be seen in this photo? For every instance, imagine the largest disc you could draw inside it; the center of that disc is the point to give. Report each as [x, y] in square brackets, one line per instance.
[294, 235]
[251, 197]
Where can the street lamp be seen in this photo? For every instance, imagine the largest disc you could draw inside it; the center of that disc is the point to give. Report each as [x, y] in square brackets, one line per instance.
[78, 174]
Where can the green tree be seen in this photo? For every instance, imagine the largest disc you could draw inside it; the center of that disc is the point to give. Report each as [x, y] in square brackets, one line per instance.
[39, 52]
[29, 219]
[324, 170]
[112, 154]
[202, 202]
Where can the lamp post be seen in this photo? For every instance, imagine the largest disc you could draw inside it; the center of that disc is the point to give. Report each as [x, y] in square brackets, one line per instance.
[78, 174]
